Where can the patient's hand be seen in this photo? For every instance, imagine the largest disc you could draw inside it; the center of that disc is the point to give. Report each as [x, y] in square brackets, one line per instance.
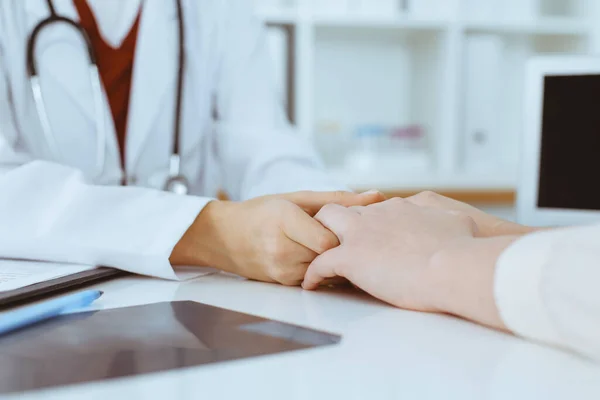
[488, 225]
[386, 250]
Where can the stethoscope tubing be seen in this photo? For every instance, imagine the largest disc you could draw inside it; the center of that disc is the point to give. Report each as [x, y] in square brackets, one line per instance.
[95, 79]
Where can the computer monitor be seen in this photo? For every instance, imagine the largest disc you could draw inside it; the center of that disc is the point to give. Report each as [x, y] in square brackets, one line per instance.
[559, 180]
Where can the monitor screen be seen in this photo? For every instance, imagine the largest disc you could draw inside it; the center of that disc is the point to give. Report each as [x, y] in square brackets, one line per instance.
[570, 151]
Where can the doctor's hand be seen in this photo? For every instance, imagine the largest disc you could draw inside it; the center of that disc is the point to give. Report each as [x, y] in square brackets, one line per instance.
[270, 239]
[387, 250]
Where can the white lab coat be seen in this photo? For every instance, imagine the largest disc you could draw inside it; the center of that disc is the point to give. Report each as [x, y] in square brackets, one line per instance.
[63, 212]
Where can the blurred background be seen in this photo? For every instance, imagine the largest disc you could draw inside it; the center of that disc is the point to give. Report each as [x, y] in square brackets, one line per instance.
[411, 95]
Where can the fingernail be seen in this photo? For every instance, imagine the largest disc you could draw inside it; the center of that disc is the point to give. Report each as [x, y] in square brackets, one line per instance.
[372, 191]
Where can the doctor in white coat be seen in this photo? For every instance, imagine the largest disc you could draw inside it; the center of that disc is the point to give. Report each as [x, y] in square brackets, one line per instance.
[62, 175]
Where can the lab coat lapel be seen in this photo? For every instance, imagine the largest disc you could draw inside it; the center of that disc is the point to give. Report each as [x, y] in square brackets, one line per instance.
[154, 72]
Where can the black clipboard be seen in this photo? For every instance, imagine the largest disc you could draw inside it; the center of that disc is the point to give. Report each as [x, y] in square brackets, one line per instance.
[52, 287]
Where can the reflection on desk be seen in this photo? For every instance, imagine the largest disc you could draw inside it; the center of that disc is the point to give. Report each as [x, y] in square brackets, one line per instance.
[385, 354]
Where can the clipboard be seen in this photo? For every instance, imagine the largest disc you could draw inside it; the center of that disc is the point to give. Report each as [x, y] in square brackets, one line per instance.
[38, 291]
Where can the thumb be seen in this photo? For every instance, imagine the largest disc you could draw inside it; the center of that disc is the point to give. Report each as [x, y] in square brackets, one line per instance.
[312, 202]
[328, 265]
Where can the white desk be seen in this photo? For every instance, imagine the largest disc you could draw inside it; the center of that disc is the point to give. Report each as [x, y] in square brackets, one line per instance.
[385, 353]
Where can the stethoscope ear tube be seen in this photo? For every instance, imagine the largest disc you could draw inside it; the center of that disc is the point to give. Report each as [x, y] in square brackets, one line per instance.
[32, 72]
[40, 106]
[53, 18]
[176, 182]
[100, 118]
[176, 151]
[95, 80]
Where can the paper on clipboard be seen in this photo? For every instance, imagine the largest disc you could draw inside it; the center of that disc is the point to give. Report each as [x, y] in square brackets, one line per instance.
[17, 274]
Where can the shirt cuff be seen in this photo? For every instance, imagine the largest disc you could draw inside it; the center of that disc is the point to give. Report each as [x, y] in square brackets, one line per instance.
[179, 212]
[518, 281]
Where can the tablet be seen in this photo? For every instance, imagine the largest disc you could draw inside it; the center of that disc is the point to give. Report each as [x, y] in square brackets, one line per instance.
[560, 160]
[141, 340]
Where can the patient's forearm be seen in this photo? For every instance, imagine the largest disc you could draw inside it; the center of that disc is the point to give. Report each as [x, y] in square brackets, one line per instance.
[465, 285]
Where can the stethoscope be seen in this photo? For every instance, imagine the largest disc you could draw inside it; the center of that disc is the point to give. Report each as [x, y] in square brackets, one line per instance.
[176, 181]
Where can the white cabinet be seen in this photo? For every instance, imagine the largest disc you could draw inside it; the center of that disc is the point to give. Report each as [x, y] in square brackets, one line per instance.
[381, 88]
[484, 130]
[421, 94]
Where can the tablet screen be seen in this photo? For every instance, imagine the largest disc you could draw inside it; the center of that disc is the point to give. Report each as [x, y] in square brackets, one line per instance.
[570, 151]
[140, 340]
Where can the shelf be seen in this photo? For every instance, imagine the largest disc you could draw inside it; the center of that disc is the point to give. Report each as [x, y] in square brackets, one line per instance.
[353, 21]
[406, 181]
[278, 17]
[480, 198]
[377, 21]
[546, 26]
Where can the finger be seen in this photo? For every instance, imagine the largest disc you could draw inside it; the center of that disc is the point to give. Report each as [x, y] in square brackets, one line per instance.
[397, 204]
[308, 232]
[306, 255]
[288, 266]
[326, 266]
[432, 199]
[312, 202]
[297, 253]
[337, 219]
[467, 220]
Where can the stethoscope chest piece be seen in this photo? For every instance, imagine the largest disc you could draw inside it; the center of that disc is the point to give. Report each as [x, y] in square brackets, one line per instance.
[177, 185]
[176, 182]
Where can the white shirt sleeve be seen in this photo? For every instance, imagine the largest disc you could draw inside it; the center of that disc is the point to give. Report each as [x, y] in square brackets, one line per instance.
[49, 213]
[547, 288]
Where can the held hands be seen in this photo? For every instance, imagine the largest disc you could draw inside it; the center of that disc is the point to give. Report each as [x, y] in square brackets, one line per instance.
[425, 253]
[387, 249]
[271, 238]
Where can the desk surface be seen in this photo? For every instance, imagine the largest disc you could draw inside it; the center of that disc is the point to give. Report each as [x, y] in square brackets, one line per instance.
[385, 353]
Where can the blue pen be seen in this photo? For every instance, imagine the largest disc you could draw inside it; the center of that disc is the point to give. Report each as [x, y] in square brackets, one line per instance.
[33, 314]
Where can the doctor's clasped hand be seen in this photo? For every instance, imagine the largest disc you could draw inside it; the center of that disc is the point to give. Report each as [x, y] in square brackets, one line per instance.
[270, 238]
